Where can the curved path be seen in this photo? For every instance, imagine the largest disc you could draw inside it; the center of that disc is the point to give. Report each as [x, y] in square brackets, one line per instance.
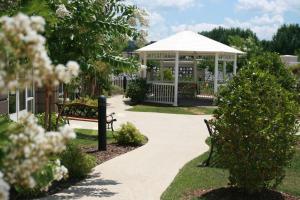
[147, 171]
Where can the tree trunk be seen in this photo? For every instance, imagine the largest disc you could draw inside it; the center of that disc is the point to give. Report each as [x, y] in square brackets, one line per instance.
[50, 112]
[93, 87]
[46, 114]
[60, 111]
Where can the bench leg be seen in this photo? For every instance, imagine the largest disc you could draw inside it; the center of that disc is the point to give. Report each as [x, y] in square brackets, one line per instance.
[112, 126]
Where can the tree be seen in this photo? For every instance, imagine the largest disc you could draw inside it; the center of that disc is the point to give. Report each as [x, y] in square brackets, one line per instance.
[250, 46]
[272, 63]
[87, 31]
[256, 126]
[8, 5]
[222, 35]
[25, 145]
[287, 39]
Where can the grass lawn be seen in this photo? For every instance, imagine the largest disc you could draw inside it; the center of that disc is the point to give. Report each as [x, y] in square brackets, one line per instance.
[89, 138]
[192, 177]
[173, 110]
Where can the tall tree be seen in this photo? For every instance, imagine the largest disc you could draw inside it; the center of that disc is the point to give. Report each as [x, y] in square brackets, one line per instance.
[287, 39]
[85, 31]
[222, 35]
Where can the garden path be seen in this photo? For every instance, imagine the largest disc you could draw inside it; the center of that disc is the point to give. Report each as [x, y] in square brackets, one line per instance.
[147, 171]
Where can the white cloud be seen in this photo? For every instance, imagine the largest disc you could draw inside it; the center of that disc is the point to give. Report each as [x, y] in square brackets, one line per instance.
[268, 6]
[264, 26]
[181, 4]
[266, 20]
[271, 18]
[195, 27]
[155, 18]
[158, 29]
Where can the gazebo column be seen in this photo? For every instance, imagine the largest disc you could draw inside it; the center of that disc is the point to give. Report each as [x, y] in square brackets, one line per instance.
[161, 71]
[216, 73]
[224, 70]
[195, 69]
[145, 59]
[235, 64]
[145, 63]
[176, 79]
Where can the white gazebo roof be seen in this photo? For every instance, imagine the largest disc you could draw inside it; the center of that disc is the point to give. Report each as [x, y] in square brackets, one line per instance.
[188, 41]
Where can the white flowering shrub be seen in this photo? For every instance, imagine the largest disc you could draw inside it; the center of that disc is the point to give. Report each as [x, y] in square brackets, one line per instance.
[23, 54]
[29, 150]
[25, 157]
[62, 11]
[4, 188]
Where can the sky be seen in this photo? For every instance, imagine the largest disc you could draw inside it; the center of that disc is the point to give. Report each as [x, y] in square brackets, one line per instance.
[263, 17]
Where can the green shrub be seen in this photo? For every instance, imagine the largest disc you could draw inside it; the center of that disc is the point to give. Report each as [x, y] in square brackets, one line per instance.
[44, 178]
[168, 76]
[78, 163]
[137, 90]
[255, 129]
[80, 110]
[271, 63]
[129, 135]
[87, 101]
[41, 120]
[115, 90]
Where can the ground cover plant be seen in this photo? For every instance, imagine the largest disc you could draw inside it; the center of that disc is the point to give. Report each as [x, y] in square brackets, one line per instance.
[173, 110]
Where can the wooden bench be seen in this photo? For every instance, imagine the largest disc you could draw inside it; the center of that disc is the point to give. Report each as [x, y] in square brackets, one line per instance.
[211, 132]
[110, 119]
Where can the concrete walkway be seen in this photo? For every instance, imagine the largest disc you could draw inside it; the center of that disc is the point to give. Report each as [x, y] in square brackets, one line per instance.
[143, 174]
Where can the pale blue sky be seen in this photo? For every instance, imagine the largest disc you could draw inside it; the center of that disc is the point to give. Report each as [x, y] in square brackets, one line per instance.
[262, 16]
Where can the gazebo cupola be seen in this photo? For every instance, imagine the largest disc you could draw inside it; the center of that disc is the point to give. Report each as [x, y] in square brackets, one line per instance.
[181, 65]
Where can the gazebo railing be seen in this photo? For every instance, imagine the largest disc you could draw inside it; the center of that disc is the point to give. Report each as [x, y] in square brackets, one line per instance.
[205, 89]
[161, 93]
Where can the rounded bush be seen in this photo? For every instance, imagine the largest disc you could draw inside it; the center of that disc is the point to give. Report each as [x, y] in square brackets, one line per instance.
[256, 129]
[137, 90]
[78, 163]
[129, 135]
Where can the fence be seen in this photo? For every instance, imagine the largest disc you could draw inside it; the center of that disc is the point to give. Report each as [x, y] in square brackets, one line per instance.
[161, 93]
[205, 89]
[119, 81]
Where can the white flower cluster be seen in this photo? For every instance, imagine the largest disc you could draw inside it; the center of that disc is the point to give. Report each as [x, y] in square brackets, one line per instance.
[62, 11]
[29, 151]
[20, 34]
[140, 17]
[65, 74]
[60, 171]
[4, 188]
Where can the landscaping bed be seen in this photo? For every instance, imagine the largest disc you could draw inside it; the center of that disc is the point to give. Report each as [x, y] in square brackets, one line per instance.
[87, 143]
[232, 193]
[113, 150]
[204, 183]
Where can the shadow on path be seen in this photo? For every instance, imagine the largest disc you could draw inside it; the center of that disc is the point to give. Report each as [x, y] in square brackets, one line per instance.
[93, 186]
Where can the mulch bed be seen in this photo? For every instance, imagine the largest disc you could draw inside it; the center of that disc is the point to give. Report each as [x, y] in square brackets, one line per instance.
[113, 150]
[232, 193]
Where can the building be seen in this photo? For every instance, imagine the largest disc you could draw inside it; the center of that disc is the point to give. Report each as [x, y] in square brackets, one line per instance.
[289, 60]
[173, 67]
[30, 99]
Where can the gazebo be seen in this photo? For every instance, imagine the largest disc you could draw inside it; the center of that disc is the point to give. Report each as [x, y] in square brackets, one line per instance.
[186, 64]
